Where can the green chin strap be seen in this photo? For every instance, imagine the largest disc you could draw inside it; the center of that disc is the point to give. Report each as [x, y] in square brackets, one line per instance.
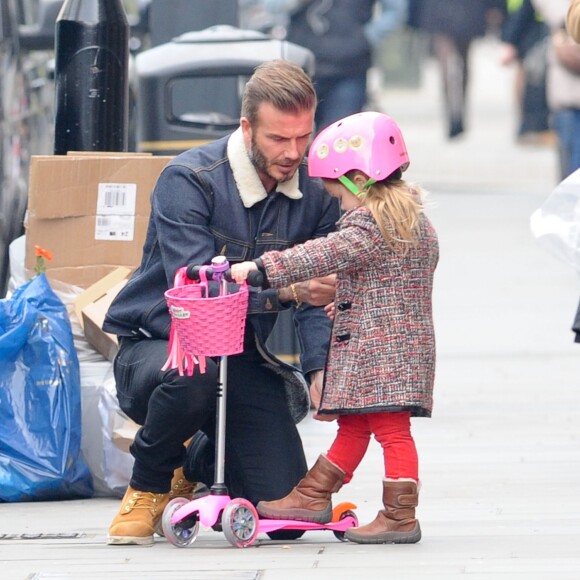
[353, 188]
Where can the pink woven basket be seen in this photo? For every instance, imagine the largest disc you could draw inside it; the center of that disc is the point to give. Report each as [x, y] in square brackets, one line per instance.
[202, 326]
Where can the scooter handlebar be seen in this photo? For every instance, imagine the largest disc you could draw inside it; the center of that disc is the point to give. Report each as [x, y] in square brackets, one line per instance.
[255, 277]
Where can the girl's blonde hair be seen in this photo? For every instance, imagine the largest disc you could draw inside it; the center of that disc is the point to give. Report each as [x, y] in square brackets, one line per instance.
[396, 206]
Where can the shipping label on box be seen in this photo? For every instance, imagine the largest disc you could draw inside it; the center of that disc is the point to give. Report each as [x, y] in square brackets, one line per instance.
[116, 210]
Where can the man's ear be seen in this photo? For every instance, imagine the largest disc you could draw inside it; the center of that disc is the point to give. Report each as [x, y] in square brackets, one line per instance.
[246, 131]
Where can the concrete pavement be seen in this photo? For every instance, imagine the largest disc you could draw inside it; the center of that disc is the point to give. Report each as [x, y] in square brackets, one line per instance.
[500, 459]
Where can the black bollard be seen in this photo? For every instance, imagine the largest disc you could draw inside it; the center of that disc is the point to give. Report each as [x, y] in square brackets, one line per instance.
[92, 77]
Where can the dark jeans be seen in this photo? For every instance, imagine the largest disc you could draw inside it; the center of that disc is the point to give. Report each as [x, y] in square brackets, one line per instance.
[567, 126]
[339, 97]
[453, 56]
[264, 453]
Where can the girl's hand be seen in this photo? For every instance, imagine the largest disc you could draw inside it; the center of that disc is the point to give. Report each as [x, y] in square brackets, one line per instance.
[329, 309]
[240, 271]
[326, 418]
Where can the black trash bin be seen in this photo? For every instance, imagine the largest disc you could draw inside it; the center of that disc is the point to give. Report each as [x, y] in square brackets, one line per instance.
[190, 93]
[190, 88]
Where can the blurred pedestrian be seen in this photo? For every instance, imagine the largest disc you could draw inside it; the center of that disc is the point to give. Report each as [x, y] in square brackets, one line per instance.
[341, 34]
[524, 37]
[573, 28]
[563, 86]
[573, 20]
[453, 25]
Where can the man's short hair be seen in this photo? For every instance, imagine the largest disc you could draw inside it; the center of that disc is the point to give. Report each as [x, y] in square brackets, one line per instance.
[283, 84]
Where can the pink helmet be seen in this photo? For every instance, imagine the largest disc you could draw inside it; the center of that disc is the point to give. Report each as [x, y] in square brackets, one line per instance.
[370, 142]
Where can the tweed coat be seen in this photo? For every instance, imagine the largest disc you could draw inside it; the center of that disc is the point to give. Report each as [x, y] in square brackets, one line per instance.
[382, 350]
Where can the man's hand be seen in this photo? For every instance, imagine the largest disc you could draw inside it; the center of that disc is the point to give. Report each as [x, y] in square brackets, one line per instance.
[318, 291]
[316, 394]
[330, 310]
[316, 388]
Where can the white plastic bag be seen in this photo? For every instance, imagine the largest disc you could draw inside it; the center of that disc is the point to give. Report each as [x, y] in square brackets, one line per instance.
[556, 224]
[107, 431]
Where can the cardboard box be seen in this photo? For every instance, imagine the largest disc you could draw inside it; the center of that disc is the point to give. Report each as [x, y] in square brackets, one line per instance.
[91, 307]
[91, 211]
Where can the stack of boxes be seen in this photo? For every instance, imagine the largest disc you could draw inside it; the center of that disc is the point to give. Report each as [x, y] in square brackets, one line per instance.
[91, 211]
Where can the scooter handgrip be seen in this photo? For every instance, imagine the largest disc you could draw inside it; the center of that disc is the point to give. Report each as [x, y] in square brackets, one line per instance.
[255, 278]
[192, 272]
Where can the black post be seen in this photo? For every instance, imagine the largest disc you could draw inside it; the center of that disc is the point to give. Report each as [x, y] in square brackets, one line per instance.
[92, 77]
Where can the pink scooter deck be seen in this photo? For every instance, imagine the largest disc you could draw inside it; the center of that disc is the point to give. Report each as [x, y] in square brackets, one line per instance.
[210, 507]
[339, 526]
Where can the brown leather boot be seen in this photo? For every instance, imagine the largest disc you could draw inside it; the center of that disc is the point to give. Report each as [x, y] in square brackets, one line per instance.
[396, 524]
[310, 500]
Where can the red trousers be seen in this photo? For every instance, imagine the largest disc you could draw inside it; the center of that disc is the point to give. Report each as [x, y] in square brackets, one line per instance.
[391, 430]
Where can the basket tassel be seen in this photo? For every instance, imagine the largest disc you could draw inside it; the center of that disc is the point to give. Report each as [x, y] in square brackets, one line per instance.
[184, 362]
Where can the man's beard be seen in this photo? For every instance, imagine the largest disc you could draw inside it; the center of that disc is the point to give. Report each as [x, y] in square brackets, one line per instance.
[261, 163]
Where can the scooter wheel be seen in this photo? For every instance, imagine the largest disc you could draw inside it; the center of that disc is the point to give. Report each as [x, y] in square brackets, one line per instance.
[340, 535]
[240, 523]
[183, 533]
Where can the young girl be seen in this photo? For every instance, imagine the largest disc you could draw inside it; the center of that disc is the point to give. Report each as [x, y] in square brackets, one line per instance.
[381, 362]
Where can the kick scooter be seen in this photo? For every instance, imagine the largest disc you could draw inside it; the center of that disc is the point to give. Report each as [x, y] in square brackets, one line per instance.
[237, 517]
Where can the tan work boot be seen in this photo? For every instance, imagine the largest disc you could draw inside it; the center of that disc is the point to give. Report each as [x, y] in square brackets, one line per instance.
[141, 511]
[138, 517]
[396, 524]
[310, 500]
[181, 487]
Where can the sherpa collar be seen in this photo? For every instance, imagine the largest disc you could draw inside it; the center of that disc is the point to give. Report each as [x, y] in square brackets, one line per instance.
[249, 185]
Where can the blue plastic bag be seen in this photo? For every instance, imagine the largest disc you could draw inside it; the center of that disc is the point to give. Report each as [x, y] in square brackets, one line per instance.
[40, 399]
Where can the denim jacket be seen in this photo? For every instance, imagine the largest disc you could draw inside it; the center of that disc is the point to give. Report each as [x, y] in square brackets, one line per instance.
[209, 201]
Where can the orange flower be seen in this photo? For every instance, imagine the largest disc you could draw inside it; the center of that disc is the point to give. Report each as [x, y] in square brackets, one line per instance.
[42, 256]
[42, 253]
